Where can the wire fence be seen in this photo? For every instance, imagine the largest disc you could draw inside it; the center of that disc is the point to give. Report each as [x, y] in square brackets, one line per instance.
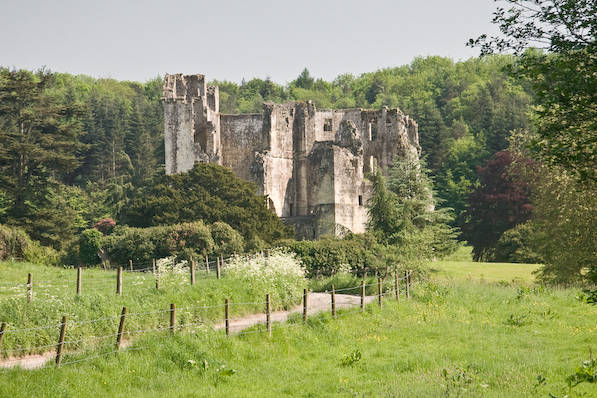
[13, 356]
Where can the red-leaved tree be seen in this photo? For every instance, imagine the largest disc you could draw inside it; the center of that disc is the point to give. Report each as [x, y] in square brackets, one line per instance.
[501, 202]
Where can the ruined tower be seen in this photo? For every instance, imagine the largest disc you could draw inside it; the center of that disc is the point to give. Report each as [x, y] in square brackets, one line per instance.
[311, 164]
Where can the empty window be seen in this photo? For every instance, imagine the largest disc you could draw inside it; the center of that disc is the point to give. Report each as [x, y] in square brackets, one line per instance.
[360, 200]
[372, 129]
[327, 125]
[291, 209]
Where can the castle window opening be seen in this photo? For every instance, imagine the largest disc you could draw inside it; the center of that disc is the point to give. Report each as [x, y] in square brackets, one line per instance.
[327, 125]
[291, 209]
[360, 200]
[372, 129]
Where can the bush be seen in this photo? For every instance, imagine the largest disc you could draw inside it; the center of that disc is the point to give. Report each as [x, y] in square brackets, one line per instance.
[16, 244]
[90, 243]
[13, 243]
[354, 253]
[281, 274]
[190, 240]
[183, 241]
[514, 246]
[227, 240]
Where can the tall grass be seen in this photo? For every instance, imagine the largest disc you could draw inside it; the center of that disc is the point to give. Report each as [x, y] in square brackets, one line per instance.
[453, 339]
[96, 312]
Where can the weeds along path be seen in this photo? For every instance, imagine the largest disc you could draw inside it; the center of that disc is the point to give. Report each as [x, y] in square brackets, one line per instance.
[318, 302]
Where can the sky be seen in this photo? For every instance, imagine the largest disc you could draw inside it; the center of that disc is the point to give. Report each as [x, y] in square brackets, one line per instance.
[231, 40]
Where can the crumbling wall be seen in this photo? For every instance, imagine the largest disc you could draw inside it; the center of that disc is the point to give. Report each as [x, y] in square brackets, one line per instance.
[311, 164]
[241, 137]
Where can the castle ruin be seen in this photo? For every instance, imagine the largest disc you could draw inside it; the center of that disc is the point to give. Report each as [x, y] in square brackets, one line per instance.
[310, 164]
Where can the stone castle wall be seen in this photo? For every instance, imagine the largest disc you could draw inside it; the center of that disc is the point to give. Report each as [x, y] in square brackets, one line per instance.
[311, 164]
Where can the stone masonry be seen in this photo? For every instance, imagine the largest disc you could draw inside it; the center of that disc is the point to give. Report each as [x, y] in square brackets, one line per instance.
[310, 164]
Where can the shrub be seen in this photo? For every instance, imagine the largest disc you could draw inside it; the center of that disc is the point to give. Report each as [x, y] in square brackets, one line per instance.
[190, 240]
[354, 253]
[227, 240]
[13, 243]
[514, 246]
[183, 241]
[16, 244]
[90, 242]
[281, 274]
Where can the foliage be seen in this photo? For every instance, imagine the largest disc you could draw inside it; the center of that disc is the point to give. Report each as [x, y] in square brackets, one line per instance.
[501, 202]
[105, 225]
[192, 240]
[281, 274]
[227, 241]
[14, 243]
[404, 213]
[355, 253]
[207, 192]
[39, 137]
[562, 77]
[564, 216]
[516, 246]
[90, 243]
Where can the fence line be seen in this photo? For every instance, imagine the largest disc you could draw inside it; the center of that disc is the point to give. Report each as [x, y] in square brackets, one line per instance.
[66, 326]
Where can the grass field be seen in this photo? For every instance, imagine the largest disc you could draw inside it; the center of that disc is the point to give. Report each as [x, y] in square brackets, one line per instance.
[462, 334]
[93, 315]
[454, 338]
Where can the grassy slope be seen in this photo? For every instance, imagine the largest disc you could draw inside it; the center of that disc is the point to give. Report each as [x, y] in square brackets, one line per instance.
[452, 325]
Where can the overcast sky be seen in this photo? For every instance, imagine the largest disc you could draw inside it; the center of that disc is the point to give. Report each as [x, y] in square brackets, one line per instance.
[231, 40]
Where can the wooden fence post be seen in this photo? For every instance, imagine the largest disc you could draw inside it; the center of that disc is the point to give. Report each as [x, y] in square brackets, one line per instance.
[396, 285]
[79, 270]
[268, 318]
[380, 292]
[119, 281]
[153, 265]
[218, 268]
[406, 286]
[333, 301]
[120, 327]
[305, 303]
[2, 329]
[131, 265]
[60, 342]
[207, 263]
[227, 316]
[172, 317]
[192, 271]
[410, 286]
[155, 274]
[30, 287]
[363, 295]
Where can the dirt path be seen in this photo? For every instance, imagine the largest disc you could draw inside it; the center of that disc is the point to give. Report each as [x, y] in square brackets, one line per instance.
[318, 302]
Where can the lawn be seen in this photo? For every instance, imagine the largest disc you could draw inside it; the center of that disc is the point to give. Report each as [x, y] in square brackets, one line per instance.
[453, 338]
[460, 266]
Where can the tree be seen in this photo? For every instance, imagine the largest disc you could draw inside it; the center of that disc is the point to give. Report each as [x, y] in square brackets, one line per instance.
[499, 203]
[402, 211]
[207, 192]
[39, 146]
[563, 75]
